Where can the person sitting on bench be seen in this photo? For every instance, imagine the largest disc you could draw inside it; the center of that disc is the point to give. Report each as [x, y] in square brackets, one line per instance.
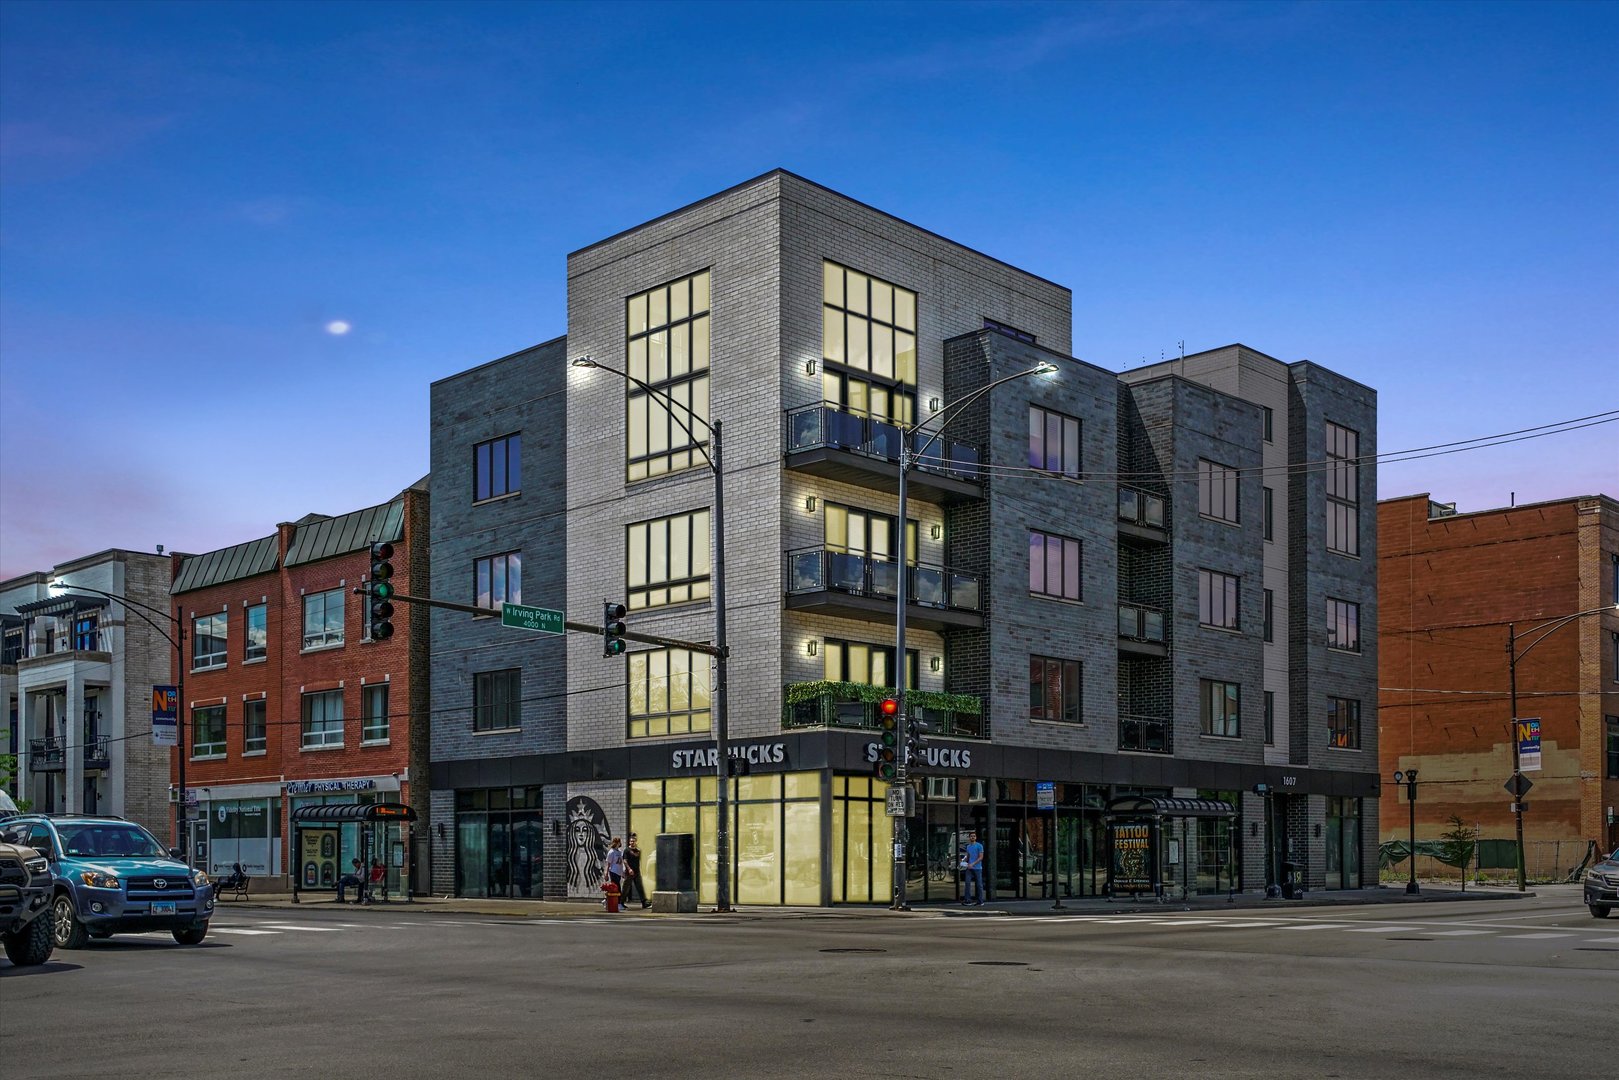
[378, 883]
[354, 878]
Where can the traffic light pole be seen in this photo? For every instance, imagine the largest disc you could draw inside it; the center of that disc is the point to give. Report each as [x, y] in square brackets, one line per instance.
[584, 628]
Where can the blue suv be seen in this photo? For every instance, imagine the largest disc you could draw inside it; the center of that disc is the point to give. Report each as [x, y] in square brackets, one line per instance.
[111, 876]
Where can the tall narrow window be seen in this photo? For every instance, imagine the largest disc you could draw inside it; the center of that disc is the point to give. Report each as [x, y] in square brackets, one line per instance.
[1343, 625]
[669, 693]
[870, 665]
[1613, 747]
[1054, 689]
[1054, 566]
[666, 342]
[1343, 723]
[323, 619]
[322, 720]
[497, 700]
[1217, 599]
[497, 467]
[374, 713]
[850, 530]
[1217, 491]
[258, 633]
[1221, 708]
[1267, 422]
[208, 641]
[498, 579]
[1268, 497]
[1270, 614]
[668, 560]
[868, 344]
[1053, 441]
[208, 732]
[85, 637]
[255, 726]
[1270, 718]
[1343, 490]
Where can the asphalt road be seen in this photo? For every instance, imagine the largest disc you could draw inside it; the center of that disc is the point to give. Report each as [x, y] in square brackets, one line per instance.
[1511, 989]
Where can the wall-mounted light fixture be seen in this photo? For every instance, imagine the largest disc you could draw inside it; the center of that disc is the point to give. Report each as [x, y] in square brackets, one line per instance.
[809, 366]
[809, 504]
[811, 647]
[1318, 830]
[933, 404]
[938, 531]
[936, 663]
[1253, 828]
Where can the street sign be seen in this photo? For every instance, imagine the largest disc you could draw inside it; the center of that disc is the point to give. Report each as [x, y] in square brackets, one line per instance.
[1045, 795]
[541, 620]
[899, 800]
[1528, 735]
[1519, 807]
[165, 716]
[1518, 786]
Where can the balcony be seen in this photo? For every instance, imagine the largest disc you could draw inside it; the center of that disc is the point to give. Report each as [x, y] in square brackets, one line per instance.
[862, 587]
[1143, 515]
[856, 706]
[50, 755]
[1141, 631]
[824, 440]
[1146, 735]
[97, 753]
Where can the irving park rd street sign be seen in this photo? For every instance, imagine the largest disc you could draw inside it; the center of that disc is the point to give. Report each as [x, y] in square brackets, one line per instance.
[540, 620]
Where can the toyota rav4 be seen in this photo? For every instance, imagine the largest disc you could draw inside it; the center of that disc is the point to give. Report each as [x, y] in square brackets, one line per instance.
[112, 876]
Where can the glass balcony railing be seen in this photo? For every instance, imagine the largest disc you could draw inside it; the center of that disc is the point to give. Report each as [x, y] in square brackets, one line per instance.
[1137, 507]
[822, 569]
[1146, 734]
[1139, 623]
[839, 705]
[826, 426]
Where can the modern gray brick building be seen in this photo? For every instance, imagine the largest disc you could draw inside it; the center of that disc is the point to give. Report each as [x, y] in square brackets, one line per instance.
[1146, 590]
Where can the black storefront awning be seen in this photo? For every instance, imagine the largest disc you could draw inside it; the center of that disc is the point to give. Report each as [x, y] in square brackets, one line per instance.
[1165, 806]
[330, 812]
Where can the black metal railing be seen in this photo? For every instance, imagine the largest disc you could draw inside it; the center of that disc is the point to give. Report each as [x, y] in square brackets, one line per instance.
[1140, 623]
[814, 427]
[1147, 734]
[824, 569]
[98, 752]
[1139, 507]
[46, 755]
[832, 709]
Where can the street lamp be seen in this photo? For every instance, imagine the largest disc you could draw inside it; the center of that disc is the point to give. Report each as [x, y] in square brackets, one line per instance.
[722, 745]
[907, 460]
[135, 608]
[1409, 779]
[1519, 785]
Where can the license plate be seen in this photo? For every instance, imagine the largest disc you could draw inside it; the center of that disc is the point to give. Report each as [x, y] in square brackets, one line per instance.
[162, 907]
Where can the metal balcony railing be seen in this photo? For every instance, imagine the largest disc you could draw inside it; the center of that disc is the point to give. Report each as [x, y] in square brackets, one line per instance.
[46, 755]
[1140, 623]
[834, 709]
[1147, 734]
[826, 426]
[823, 569]
[98, 753]
[1138, 507]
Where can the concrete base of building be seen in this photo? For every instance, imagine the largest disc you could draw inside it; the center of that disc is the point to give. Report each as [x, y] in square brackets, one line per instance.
[674, 903]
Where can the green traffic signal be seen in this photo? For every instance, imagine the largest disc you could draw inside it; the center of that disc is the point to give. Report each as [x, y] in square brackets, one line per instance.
[381, 590]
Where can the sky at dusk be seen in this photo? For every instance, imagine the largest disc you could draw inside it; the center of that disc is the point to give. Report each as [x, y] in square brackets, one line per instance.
[238, 241]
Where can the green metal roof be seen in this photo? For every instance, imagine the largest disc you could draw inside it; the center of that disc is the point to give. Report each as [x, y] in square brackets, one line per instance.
[326, 537]
[226, 564]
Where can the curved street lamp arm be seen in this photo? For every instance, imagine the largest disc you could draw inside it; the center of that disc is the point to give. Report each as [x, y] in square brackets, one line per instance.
[1551, 628]
[960, 405]
[664, 396]
[135, 606]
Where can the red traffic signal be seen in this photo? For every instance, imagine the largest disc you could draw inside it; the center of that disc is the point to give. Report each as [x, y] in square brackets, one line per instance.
[890, 707]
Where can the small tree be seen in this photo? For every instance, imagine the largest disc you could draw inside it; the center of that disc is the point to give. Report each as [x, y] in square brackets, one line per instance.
[8, 778]
[1458, 845]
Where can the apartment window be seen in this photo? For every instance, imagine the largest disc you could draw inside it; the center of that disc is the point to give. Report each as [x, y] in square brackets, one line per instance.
[323, 619]
[868, 324]
[1613, 649]
[1054, 689]
[1009, 331]
[374, 713]
[14, 649]
[1221, 708]
[255, 726]
[258, 633]
[1268, 509]
[1343, 625]
[323, 719]
[1217, 491]
[1267, 420]
[1270, 613]
[869, 665]
[208, 641]
[851, 531]
[497, 703]
[668, 560]
[497, 467]
[1270, 718]
[669, 693]
[1054, 566]
[1343, 490]
[208, 732]
[1343, 723]
[499, 579]
[85, 638]
[1613, 577]
[666, 340]
[1053, 441]
[1613, 747]
[1217, 599]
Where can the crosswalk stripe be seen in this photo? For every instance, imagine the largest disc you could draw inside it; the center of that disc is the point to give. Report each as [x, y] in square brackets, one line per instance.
[1460, 933]
[241, 930]
[1536, 937]
[304, 929]
[1380, 929]
[1319, 926]
[1605, 941]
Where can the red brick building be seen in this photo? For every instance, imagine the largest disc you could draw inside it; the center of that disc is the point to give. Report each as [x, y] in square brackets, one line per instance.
[289, 701]
[1449, 584]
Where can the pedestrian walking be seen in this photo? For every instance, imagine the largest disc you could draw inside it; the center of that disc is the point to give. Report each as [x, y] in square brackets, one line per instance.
[632, 872]
[615, 866]
[972, 865]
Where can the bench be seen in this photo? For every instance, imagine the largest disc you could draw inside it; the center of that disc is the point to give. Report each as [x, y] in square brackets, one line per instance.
[235, 883]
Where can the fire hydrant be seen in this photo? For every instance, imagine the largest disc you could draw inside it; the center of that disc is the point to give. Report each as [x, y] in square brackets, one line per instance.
[611, 889]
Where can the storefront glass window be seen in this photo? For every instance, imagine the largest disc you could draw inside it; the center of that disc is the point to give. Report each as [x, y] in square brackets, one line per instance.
[246, 831]
[499, 836]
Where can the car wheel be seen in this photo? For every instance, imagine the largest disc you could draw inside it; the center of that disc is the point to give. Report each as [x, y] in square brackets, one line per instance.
[1600, 911]
[192, 935]
[32, 944]
[66, 929]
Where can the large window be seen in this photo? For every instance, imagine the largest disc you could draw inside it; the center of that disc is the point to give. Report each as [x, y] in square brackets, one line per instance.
[868, 324]
[1217, 599]
[1217, 491]
[323, 719]
[870, 665]
[255, 726]
[850, 530]
[668, 560]
[1343, 625]
[666, 340]
[669, 692]
[1221, 708]
[1343, 490]
[374, 713]
[1343, 723]
[258, 633]
[1053, 441]
[497, 467]
[1054, 566]
[208, 641]
[499, 579]
[1054, 689]
[497, 700]
[208, 732]
[323, 619]
[85, 637]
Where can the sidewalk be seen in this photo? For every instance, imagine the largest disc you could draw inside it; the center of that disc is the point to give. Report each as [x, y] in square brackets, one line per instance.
[541, 909]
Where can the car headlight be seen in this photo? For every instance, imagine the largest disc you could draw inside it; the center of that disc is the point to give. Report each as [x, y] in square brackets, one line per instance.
[37, 866]
[97, 880]
[199, 878]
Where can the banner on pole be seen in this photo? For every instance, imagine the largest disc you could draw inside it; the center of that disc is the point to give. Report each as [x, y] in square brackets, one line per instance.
[165, 716]
[1528, 735]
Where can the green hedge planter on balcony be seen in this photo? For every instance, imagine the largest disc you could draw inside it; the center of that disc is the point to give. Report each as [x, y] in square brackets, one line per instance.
[801, 693]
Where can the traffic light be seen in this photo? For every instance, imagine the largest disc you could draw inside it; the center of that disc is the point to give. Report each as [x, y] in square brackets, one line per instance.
[916, 735]
[887, 738]
[379, 610]
[613, 643]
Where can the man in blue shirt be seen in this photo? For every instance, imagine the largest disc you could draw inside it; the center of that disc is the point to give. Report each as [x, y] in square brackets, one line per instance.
[972, 864]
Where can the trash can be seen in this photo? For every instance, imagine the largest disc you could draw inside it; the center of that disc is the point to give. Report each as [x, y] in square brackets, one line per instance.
[1292, 887]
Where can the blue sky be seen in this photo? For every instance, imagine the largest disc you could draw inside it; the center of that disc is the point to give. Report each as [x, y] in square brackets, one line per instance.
[1422, 197]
